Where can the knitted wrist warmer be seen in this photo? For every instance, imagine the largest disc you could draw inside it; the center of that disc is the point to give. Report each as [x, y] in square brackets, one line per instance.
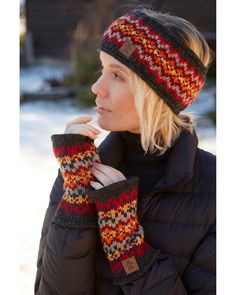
[121, 234]
[75, 153]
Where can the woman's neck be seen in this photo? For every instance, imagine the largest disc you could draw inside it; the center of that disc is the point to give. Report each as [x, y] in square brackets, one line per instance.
[134, 151]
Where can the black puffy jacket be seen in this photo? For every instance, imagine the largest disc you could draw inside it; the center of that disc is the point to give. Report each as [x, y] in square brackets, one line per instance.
[178, 218]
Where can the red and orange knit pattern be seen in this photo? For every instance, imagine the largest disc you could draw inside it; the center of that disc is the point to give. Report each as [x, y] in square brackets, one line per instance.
[75, 153]
[121, 234]
[164, 62]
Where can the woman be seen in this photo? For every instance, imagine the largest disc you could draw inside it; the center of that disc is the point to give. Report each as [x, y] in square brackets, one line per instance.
[136, 215]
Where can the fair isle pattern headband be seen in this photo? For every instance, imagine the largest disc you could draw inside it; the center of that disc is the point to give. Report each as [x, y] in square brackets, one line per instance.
[158, 56]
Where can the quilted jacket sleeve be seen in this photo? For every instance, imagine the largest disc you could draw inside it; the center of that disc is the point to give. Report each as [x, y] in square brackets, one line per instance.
[136, 266]
[67, 246]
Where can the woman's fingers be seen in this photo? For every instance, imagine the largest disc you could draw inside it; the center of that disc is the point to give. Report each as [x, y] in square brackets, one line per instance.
[78, 129]
[113, 173]
[82, 120]
[79, 126]
[95, 185]
[79, 120]
[84, 129]
[101, 177]
[93, 129]
[106, 175]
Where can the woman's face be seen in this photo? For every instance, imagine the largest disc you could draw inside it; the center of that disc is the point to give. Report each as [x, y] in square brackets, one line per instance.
[115, 102]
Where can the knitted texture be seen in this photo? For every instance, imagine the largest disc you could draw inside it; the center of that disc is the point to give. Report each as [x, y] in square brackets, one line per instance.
[121, 234]
[158, 56]
[75, 153]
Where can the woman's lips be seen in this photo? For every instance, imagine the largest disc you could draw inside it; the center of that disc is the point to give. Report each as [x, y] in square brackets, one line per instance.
[102, 111]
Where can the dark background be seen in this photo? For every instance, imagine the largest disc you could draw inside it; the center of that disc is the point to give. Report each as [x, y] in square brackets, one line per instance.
[56, 24]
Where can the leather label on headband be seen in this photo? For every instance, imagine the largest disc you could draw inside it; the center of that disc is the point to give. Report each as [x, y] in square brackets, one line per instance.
[130, 265]
[127, 48]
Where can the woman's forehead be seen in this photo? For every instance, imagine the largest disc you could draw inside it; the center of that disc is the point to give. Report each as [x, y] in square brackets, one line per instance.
[110, 61]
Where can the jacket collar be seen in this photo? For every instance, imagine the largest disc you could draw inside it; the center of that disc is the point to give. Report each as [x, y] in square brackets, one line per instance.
[180, 161]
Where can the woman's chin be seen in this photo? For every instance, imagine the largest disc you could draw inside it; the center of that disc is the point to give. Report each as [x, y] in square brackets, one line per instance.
[103, 124]
[110, 125]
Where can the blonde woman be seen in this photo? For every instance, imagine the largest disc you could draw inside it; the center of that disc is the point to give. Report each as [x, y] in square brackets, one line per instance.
[137, 215]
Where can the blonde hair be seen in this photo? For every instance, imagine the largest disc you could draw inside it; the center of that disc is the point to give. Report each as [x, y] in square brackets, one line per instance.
[159, 125]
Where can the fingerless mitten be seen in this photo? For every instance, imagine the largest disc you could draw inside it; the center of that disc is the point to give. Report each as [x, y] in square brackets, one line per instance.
[75, 153]
[121, 234]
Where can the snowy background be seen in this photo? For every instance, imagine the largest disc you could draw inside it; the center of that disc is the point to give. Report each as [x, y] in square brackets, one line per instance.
[38, 121]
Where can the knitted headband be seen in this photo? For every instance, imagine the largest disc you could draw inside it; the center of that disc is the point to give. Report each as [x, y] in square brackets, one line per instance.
[158, 56]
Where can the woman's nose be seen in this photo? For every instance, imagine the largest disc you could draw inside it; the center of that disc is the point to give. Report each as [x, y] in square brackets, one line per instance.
[98, 88]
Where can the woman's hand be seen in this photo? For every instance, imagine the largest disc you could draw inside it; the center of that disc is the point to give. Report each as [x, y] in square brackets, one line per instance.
[80, 126]
[105, 175]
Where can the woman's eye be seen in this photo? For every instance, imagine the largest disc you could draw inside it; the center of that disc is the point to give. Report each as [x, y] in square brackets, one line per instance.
[116, 76]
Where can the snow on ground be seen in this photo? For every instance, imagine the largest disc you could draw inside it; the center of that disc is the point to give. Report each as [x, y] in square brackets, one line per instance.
[38, 121]
[33, 78]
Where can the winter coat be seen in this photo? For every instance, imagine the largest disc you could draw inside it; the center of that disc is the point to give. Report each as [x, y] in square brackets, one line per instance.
[178, 221]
